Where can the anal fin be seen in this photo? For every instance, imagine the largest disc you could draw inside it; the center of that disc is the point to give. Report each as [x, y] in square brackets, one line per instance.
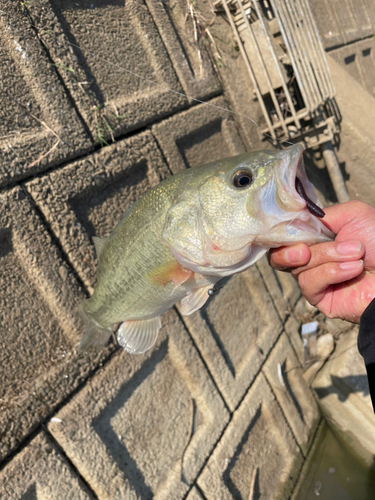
[137, 336]
[195, 300]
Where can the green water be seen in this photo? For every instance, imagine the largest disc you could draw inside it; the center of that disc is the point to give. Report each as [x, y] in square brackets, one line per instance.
[335, 473]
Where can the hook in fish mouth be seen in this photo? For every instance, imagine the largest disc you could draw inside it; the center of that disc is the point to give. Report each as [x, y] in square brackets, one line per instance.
[311, 206]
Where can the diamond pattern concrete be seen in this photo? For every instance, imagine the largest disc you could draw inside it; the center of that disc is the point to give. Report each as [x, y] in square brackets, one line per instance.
[106, 53]
[282, 287]
[190, 59]
[257, 456]
[39, 325]
[198, 136]
[88, 197]
[145, 426]
[40, 472]
[284, 374]
[39, 127]
[235, 332]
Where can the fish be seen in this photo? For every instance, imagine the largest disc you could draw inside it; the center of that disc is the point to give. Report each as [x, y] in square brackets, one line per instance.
[191, 230]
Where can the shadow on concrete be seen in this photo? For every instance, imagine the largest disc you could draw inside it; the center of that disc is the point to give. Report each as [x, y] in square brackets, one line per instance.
[227, 474]
[6, 245]
[30, 493]
[103, 427]
[104, 188]
[344, 386]
[200, 135]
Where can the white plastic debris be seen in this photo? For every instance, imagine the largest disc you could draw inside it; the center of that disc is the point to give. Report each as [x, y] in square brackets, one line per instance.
[309, 328]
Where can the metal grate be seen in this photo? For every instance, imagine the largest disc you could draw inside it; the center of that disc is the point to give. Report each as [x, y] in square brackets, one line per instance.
[284, 57]
[286, 63]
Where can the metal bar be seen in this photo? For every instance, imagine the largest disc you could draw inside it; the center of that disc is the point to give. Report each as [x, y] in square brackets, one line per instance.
[334, 171]
[260, 58]
[295, 31]
[312, 51]
[277, 64]
[250, 71]
[301, 114]
[326, 69]
[293, 61]
[315, 49]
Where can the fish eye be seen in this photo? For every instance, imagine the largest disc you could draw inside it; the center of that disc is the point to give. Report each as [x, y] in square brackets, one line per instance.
[242, 178]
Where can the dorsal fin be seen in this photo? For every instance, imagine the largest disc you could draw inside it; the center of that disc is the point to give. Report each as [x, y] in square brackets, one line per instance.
[99, 244]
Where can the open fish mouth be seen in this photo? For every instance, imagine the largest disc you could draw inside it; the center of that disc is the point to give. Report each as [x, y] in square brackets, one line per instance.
[294, 190]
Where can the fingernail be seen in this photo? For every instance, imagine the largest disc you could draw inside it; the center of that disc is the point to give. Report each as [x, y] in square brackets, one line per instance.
[355, 264]
[348, 248]
[293, 256]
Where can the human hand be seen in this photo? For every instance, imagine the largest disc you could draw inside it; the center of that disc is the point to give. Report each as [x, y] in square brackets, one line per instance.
[336, 277]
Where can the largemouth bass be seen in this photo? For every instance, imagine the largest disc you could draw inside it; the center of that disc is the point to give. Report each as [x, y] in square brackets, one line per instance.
[191, 230]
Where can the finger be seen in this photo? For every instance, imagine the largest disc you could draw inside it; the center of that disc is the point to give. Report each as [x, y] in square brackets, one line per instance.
[332, 251]
[338, 216]
[287, 257]
[314, 282]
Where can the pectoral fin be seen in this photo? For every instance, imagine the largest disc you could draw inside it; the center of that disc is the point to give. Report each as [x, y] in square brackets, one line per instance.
[195, 300]
[137, 336]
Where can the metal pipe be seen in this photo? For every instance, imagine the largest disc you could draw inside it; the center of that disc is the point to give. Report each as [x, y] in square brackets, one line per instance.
[334, 171]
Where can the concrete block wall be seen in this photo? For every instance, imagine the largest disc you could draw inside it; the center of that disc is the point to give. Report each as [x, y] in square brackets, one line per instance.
[219, 406]
[347, 32]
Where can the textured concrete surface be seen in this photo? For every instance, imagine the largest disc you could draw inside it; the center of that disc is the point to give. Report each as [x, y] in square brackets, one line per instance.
[39, 471]
[189, 54]
[88, 197]
[39, 127]
[106, 53]
[256, 454]
[198, 136]
[202, 414]
[194, 495]
[343, 21]
[234, 332]
[282, 287]
[358, 60]
[343, 394]
[235, 82]
[39, 324]
[284, 374]
[356, 150]
[144, 427]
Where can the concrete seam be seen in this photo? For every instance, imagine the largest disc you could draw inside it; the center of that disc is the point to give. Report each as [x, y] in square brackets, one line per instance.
[55, 241]
[203, 361]
[69, 463]
[58, 407]
[52, 62]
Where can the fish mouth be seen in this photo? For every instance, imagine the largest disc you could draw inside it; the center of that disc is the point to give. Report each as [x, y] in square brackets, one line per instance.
[294, 192]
